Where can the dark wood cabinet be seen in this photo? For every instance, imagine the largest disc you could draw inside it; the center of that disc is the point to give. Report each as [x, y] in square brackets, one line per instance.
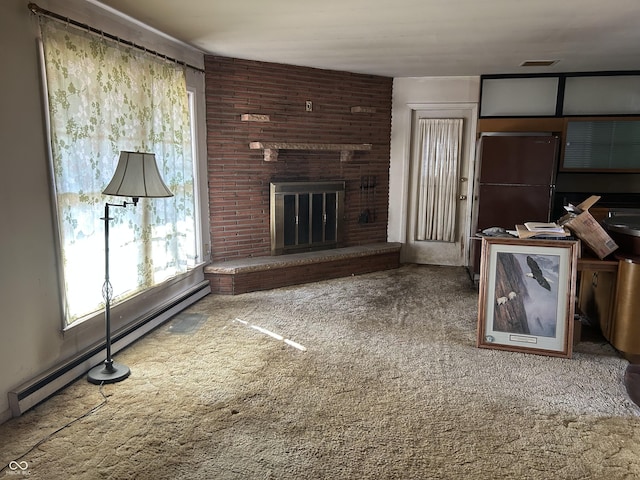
[513, 184]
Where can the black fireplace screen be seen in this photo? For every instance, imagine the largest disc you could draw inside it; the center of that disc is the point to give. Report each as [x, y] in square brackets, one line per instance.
[306, 216]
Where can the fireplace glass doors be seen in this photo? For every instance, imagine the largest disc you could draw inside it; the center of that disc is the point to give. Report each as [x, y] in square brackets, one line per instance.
[305, 216]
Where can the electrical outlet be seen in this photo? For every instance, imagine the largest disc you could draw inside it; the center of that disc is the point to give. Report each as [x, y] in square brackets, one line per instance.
[308, 106]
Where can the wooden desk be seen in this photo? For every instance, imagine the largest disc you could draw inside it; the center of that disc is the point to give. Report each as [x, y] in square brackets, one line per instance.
[609, 295]
[597, 291]
[596, 265]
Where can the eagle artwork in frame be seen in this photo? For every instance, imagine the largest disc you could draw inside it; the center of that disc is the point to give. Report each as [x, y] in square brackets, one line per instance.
[527, 291]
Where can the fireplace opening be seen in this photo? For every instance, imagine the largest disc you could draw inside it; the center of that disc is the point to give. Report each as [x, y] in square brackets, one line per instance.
[305, 216]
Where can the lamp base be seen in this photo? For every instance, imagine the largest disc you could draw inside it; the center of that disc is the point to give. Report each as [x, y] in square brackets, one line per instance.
[108, 372]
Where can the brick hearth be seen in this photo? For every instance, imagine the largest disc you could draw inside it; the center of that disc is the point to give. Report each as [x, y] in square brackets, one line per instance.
[263, 273]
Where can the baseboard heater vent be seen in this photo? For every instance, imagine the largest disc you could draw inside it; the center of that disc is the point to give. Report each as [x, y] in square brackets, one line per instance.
[40, 388]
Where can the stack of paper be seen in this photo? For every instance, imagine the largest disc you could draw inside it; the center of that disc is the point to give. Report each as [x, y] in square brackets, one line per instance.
[541, 230]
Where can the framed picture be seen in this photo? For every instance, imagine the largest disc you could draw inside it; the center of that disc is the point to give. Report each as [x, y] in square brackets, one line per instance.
[527, 290]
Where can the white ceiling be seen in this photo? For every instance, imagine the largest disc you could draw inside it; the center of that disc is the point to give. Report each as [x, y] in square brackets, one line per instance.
[406, 38]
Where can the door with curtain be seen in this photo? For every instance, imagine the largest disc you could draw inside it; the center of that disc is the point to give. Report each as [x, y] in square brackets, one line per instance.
[442, 148]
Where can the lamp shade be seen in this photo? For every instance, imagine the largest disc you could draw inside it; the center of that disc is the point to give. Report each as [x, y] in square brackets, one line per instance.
[137, 176]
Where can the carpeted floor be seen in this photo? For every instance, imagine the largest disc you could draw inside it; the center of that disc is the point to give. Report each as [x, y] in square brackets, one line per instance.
[368, 377]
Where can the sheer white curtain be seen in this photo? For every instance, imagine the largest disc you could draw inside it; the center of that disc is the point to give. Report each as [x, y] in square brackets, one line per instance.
[440, 144]
[104, 97]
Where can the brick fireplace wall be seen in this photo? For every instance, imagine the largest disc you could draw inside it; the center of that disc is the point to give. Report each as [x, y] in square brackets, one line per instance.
[249, 101]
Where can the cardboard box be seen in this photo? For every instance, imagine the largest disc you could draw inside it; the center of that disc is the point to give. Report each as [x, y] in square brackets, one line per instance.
[587, 229]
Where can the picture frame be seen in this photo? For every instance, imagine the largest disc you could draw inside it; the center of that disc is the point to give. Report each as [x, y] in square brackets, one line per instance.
[527, 295]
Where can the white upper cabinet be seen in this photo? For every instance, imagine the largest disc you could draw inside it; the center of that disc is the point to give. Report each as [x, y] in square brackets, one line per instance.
[602, 95]
[513, 97]
[558, 95]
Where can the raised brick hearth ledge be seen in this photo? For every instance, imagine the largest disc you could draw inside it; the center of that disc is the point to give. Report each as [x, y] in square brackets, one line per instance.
[263, 273]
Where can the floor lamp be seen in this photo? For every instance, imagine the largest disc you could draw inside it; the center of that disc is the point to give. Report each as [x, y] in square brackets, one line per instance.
[136, 176]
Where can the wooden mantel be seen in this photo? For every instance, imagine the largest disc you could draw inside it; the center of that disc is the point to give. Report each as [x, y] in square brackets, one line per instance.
[271, 148]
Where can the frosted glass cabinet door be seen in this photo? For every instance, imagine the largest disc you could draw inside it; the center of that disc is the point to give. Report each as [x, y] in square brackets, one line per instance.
[602, 95]
[517, 97]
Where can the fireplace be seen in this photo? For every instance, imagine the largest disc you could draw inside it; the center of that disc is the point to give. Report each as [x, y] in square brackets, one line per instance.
[306, 216]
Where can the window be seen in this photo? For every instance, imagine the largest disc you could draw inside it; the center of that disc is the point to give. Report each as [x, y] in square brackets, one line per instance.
[602, 145]
[440, 152]
[105, 97]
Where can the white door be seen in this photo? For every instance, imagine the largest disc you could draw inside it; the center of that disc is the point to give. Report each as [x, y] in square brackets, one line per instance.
[430, 248]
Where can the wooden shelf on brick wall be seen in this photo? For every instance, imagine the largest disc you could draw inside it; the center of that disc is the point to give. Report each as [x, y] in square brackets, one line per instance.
[254, 117]
[361, 109]
[346, 149]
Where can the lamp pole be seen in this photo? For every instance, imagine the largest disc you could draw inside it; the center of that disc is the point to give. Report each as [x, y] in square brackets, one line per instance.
[109, 371]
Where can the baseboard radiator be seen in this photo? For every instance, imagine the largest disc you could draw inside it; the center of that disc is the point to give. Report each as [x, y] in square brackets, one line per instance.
[42, 387]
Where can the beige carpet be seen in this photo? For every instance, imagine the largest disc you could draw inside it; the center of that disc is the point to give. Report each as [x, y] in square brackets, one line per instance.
[382, 381]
